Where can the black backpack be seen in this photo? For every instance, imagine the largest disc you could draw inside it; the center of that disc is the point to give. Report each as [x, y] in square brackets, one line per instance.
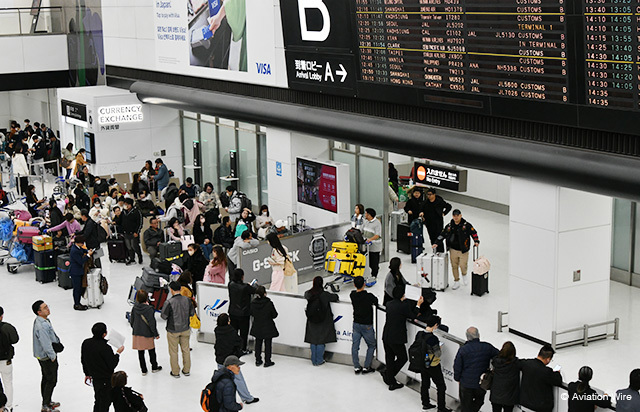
[208, 400]
[316, 311]
[420, 354]
[244, 201]
[355, 236]
[102, 234]
[180, 215]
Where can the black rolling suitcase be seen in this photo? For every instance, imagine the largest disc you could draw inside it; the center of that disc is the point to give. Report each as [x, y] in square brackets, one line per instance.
[117, 249]
[45, 265]
[479, 281]
[403, 244]
[64, 279]
[171, 251]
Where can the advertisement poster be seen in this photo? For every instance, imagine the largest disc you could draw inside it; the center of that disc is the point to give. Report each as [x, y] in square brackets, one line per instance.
[228, 40]
[317, 185]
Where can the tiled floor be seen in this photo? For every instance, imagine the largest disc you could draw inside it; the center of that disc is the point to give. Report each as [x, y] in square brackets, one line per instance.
[293, 384]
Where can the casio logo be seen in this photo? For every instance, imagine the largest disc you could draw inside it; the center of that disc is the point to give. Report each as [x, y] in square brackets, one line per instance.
[306, 34]
[249, 251]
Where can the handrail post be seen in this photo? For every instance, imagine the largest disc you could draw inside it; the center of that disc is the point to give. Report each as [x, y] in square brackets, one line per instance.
[616, 328]
[585, 341]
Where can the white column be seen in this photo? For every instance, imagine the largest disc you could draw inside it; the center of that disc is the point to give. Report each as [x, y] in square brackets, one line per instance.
[555, 231]
[281, 179]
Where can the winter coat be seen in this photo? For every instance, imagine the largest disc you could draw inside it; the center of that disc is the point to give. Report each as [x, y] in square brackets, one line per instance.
[162, 178]
[457, 236]
[228, 342]
[19, 164]
[200, 235]
[225, 390]
[263, 312]
[505, 389]
[131, 221]
[395, 326]
[215, 274]
[196, 264]
[472, 360]
[148, 328]
[124, 396]
[77, 258]
[415, 206]
[223, 236]
[210, 200]
[536, 385]
[98, 359]
[434, 212]
[91, 235]
[240, 298]
[325, 332]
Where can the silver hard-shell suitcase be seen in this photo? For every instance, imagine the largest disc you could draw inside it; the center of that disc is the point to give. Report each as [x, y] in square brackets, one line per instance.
[93, 294]
[432, 270]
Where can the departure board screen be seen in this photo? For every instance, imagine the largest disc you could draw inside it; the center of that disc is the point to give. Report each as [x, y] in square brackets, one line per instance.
[562, 62]
[511, 48]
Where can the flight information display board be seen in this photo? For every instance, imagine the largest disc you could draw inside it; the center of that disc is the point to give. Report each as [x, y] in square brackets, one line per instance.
[564, 62]
[511, 48]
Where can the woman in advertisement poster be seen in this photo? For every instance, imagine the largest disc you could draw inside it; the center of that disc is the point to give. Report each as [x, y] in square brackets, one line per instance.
[236, 14]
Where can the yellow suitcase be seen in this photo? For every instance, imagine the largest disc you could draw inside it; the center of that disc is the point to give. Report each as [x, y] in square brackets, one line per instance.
[344, 247]
[42, 242]
[349, 264]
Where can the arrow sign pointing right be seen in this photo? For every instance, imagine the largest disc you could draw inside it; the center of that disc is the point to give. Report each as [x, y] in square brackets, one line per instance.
[342, 72]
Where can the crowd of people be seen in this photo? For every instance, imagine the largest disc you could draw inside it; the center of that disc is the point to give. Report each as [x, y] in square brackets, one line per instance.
[93, 210]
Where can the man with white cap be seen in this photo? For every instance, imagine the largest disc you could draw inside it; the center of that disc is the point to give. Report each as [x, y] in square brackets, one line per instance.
[280, 228]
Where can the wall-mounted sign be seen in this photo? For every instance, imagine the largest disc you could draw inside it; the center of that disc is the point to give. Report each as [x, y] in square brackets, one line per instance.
[449, 178]
[126, 113]
[74, 110]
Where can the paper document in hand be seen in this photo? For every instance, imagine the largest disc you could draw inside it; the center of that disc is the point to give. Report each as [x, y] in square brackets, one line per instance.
[412, 292]
[115, 338]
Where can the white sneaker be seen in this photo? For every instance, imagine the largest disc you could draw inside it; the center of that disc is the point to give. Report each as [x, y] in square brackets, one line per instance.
[465, 279]
[456, 285]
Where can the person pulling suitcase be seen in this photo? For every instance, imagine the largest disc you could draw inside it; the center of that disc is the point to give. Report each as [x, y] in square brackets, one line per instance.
[457, 234]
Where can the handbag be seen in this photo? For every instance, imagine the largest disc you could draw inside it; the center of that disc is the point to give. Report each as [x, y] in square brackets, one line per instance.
[57, 347]
[194, 322]
[64, 162]
[186, 240]
[289, 270]
[486, 380]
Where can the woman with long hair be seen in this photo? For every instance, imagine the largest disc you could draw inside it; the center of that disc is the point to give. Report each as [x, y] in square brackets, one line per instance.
[279, 255]
[33, 204]
[505, 388]
[20, 169]
[147, 173]
[394, 278]
[145, 331]
[263, 222]
[263, 327]
[203, 235]
[212, 205]
[357, 220]
[320, 329]
[68, 155]
[583, 398]
[217, 268]
[80, 161]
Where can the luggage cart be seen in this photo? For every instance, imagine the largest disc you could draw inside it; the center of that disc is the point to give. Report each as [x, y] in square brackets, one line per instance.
[346, 261]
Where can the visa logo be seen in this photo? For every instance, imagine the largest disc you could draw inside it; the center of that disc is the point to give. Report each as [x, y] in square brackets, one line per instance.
[263, 68]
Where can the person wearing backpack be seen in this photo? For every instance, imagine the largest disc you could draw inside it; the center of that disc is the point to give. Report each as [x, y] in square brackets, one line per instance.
[320, 328]
[394, 335]
[228, 343]
[237, 203]
[8, 338]
[431, 369]
[224, 387]
[263, 328]
[124, 398]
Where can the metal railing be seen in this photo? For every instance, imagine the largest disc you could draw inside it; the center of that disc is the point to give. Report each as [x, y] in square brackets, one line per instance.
[501, 324]
[23, 21]
[585, 334]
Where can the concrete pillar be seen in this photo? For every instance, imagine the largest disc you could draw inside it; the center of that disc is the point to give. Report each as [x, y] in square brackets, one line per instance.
[555, 232]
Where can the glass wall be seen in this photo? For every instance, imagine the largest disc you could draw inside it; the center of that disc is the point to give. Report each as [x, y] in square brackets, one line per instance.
[625, 244]
[217, 137]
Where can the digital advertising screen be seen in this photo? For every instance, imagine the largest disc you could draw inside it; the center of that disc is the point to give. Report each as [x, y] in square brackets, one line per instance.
[317, 184]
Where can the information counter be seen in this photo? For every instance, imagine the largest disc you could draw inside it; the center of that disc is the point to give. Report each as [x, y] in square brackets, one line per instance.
[307, 250]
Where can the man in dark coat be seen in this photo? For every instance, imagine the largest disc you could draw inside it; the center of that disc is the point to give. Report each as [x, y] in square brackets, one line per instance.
[239, 305]
[224, 234]
[394, 334]
[457, 234]
[263, 327]
[98, 363]
[538, 380]
[131, 226]
[433, 212]
[414, 204]
[153, 237]
[472, 360]
[90, 230]
[225, 387]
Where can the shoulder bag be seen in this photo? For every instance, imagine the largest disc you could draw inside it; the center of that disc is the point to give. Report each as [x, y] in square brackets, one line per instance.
[289, 270]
